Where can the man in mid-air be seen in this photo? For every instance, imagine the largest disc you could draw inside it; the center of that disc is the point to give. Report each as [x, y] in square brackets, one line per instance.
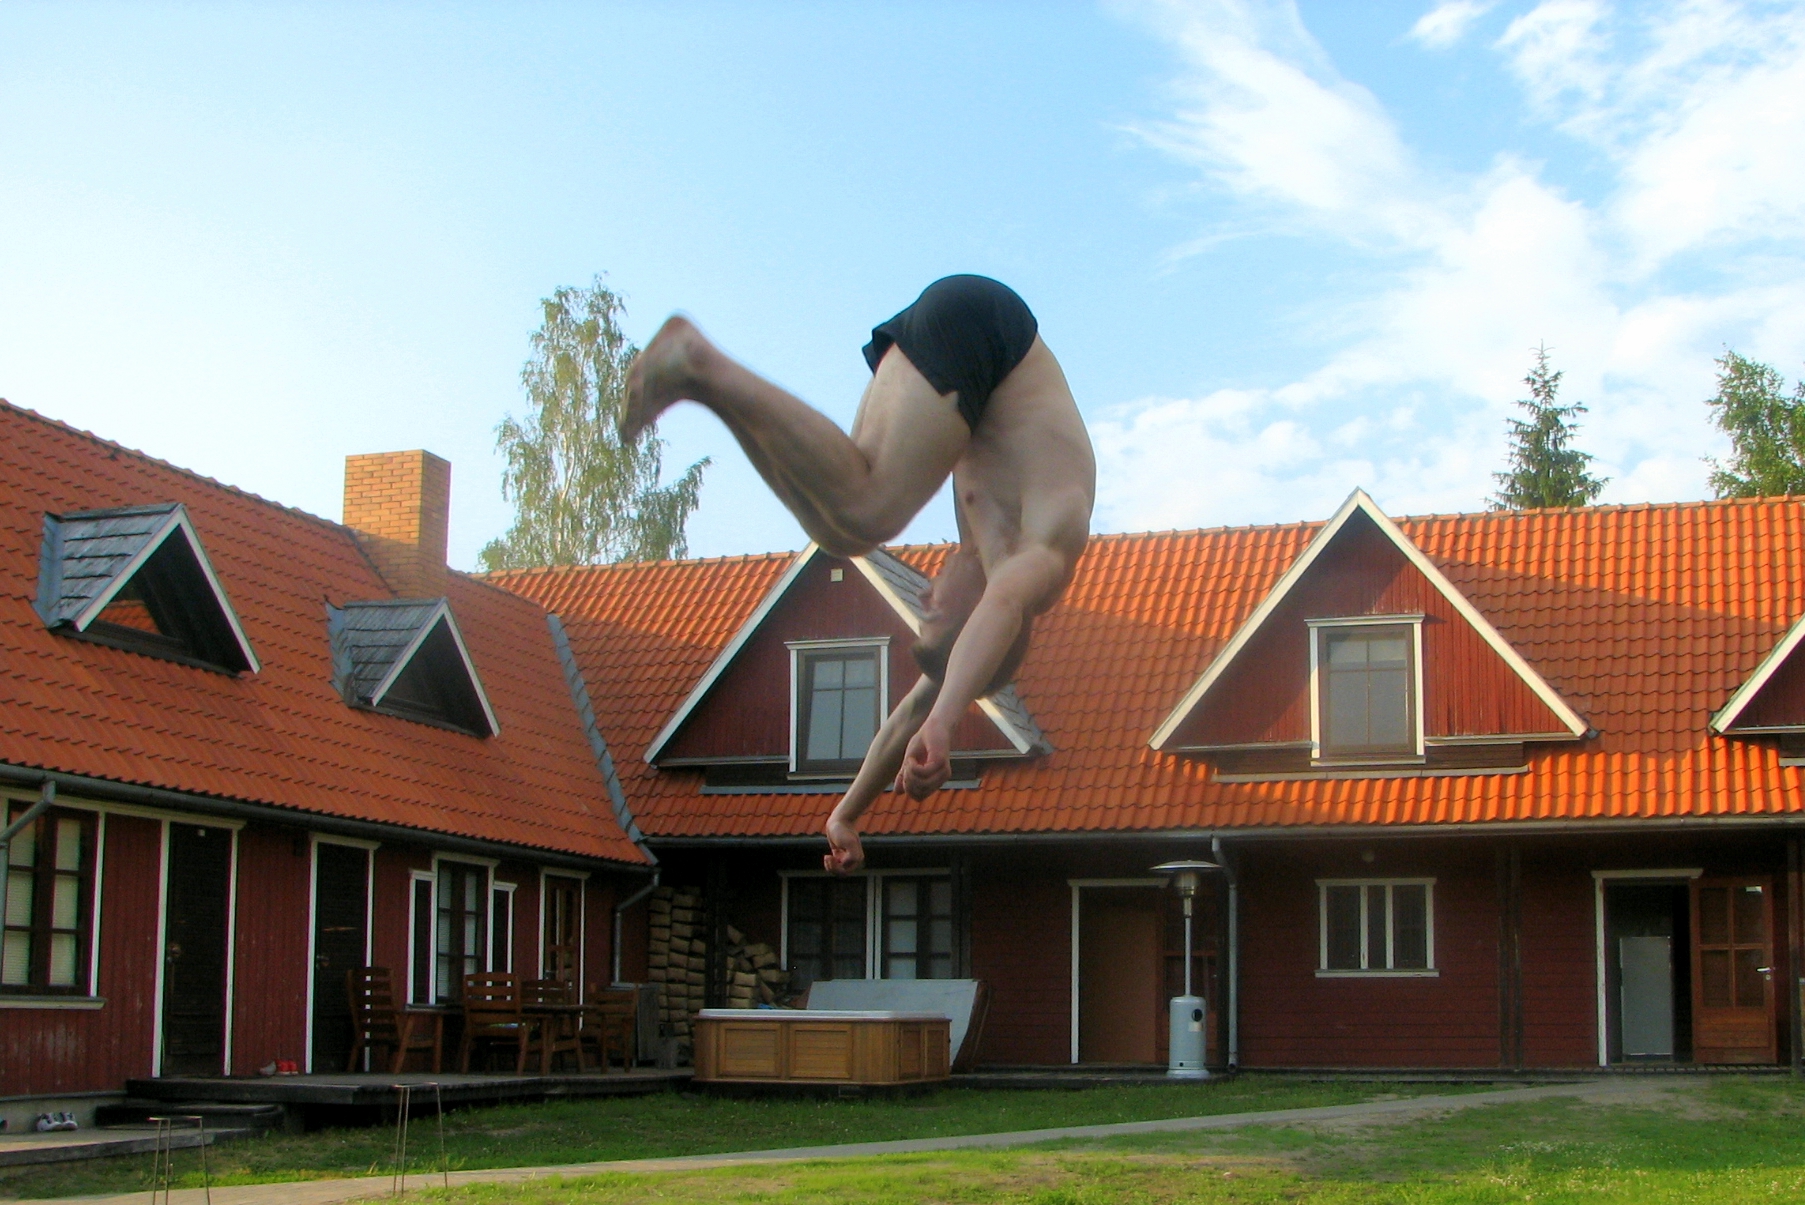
[961, 383]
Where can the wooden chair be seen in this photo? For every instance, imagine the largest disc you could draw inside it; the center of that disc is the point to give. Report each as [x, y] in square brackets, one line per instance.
[492, 1015]
[375, 1021]
[559, 1035]
[610, 1026]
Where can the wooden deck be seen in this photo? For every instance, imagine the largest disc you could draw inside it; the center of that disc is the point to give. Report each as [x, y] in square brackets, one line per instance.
[383, 1092]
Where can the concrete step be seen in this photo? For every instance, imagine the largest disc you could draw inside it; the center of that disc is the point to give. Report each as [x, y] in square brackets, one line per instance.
[65, 1146]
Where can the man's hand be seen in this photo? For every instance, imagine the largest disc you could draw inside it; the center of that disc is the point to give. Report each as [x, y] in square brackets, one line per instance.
[926, 766]
[845, 854]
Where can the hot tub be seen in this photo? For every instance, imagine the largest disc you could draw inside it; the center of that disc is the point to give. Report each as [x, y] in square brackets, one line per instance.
[820, 1046]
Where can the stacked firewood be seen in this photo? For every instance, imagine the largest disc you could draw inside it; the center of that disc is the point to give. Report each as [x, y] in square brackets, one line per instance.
[678, 960]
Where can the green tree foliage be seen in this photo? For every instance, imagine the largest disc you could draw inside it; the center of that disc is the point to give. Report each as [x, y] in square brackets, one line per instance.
[1766, 430]
[1545, 469]
[581, 497]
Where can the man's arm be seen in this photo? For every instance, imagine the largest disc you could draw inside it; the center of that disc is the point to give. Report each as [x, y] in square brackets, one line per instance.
[1016, 590]
[879, 769]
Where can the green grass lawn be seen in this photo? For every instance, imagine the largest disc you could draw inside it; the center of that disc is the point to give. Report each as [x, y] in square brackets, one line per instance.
[682, 1124]
[1702, 1143]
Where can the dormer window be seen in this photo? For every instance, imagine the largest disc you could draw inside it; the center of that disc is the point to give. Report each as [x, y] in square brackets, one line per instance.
[407, 658]
[839, 692]
[137, 578]
[1367, 688]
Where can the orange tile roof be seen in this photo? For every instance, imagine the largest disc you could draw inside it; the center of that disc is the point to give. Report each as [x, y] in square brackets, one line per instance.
[1644, 618]
[282, 737]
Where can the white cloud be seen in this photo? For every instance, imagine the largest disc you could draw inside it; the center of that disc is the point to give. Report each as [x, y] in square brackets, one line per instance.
[1691, 112]
[1447, 23]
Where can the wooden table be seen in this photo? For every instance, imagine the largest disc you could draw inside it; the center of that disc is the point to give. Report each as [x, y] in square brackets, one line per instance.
[845, 1046]
[553, 1018]
[436, 1014]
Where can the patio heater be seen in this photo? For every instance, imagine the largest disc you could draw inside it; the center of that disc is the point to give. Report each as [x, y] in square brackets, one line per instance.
[1186, 1017]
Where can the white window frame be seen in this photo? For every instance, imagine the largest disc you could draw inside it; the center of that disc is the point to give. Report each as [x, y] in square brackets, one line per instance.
[497, 887]
[874, 907]
[798, 647]
[93, 999]
[1322, 929]
[1316, 628]
[431, 879]
[488, 865]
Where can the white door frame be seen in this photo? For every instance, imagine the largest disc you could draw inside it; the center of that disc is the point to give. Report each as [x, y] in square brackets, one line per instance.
[1599, 878]
[314, 841]
[1078, 885]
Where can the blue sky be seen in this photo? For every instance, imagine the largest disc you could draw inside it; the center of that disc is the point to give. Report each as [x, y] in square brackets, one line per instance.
[1282, 250]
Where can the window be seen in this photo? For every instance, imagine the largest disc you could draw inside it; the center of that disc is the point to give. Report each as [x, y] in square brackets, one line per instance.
[501, 927]
[1366, 684]
[838, 706]
[563, 938]
[460, 941]
[884, 926]
[49, 903]
[1376, 926]
[826, 935]
[918, 928]
[407, 658]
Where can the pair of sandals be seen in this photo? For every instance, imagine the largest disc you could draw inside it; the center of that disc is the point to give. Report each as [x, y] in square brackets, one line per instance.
[57, 1121]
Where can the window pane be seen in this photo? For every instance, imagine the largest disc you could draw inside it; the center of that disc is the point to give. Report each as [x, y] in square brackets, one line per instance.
[1376, 919]
[64, 897]
[1750, 985]
[62, 960]
[940, 897]
[1386, 650]
[829, 675]
[805, 938]
[861, 671]
[900, 968]
[1346, 648]
[939, 968]
[1388, 709]
[940, 938]
[1714, 915]
[824, 727]
[422, 952]
[900, 937]
[860, 722]
[15, 959]
[1750, 916]
[1410, 927]
[19, 891]
[899, 897]
[1343, 920]
[1715, 967]
[24, 848]
[1347, 711]
[68, 845]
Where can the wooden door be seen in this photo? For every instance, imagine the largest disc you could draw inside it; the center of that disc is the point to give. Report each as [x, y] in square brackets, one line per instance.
[1120, 963]
[194, 950]
[340, 881]
[1732, 971]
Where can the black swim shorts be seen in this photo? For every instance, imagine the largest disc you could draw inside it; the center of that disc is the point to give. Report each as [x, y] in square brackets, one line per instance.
[963, 333]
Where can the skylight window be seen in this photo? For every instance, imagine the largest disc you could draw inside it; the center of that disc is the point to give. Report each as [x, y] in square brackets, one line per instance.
[137, 578]
[407, 658]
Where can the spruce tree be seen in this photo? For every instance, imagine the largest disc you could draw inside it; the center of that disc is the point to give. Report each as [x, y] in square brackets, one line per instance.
[1545, 469]
[1766, 430]
[580, 496]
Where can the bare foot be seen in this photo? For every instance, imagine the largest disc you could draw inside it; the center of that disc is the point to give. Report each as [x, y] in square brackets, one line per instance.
[845, 853]
[662, 374]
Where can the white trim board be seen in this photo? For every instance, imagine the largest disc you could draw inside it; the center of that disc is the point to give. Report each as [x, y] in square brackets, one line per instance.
[1359, 501]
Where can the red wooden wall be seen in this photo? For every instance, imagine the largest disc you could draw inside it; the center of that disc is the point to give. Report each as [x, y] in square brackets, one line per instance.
[1468, 688]
[1292, 1018]
[270, 1005]
[1021, 944]
[747, 715]
[68, 1050]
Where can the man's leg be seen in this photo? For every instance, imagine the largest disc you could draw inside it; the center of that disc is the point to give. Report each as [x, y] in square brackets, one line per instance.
[850, 493]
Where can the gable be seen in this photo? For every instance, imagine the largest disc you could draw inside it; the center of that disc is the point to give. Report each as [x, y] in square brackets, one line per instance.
[1475, 689]
[407, 658]
[1772, 699]
[137, 578]
[741, 709]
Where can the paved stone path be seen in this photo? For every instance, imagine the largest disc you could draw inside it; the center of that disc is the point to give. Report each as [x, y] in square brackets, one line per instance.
[336, 1192]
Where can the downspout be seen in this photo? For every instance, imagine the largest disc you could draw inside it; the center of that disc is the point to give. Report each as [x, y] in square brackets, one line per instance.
[46, 797]
[1234, 954]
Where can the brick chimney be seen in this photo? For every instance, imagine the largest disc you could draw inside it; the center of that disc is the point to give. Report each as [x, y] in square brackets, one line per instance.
[399, 504]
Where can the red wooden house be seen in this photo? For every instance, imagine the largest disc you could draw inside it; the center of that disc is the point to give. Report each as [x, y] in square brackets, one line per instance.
[1495, 790]
[280, 747]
